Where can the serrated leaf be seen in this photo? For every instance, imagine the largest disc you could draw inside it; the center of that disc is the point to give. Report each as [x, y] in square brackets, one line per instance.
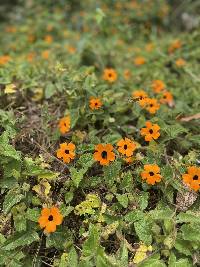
[92, 243]
[77, 175]
[123, 200]
[191, 232]
[33, 214]
[134, 216]
[12, 198]
[21, 239]
[72, 259]
[143, 231]
[111, 172]
[188, 217]
[86, 160]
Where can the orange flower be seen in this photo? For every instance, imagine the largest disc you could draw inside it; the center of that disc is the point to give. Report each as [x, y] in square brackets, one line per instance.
[174, 46]
[139, 61]
[151, 174]
[180, 62]
[149, 47]
[66, 152]
[11, 29]
[31, 38]
[48, 39]
[104, 154]
[151, 105]
[126, 147]
[64, 124]
[31, 56]
[49, 28]
[49, 219]
[4, 59]
[167, 98]
[45, 54]
[95, 103]
[127, 74]
[192, 178]
[110, 75]
[140, 95]
[151, 131]
[71, 49]
[158, 86]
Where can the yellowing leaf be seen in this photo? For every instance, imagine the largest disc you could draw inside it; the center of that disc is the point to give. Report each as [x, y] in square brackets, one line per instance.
[87, 207]
[141, 253]
[42, 188]
[38, 94]
[10, 88]
[110, 229]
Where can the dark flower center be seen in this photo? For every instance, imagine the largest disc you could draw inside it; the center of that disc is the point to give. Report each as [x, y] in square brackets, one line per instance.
[96, 103]
[110, 74]
[151, 105]
[150, 131]
[195, 177]
[125, 147]
[151, 173]
[104, 154]
[50, 218]
[66, 151]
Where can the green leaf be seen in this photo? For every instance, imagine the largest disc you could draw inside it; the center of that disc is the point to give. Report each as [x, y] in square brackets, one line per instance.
[123, 255]
[20, 239]
[8, 150]
[191, 232]
[11, 258]
[126, 183]
[12, 198]
[20, 222]
[72, 259]
[123, 200]
[33, 214]
[68, 197]
[174, 130]
[161, 214]
[77, 175]
[74, 115]
[49, 175]
[49, 90]
[143, 200]
[188, 217]
[86, 160]
[63, 260]
[92, 243]
[61, 239]
[143, 231]
[153, 261]
[183, 246]
[111, 172]
[134, 216]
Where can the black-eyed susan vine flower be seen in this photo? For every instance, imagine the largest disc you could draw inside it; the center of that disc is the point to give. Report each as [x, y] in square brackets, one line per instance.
[192, 177]
[49, 219]
[110, 75]
[104, 154]
[151, 105]
[150, 132]
[95, 103]
[158, 86]
[66, 152]
[126, 147]
[151, 174]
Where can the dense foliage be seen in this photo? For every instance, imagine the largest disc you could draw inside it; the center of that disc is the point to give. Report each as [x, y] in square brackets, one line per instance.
[99, 134]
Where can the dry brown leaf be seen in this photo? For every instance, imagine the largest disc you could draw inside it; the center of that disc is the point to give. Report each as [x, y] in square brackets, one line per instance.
[189, 118]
